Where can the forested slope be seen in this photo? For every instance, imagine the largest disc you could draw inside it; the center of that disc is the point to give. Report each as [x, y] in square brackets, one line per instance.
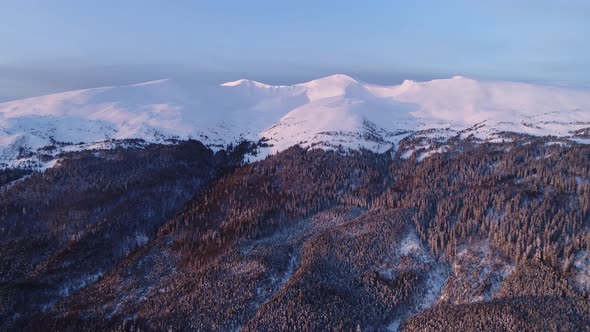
[482, 236]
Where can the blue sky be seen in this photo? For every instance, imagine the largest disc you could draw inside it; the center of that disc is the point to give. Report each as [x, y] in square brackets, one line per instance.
[58, 45]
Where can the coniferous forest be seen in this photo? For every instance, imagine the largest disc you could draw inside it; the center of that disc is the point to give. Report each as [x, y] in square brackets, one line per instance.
[483, 236]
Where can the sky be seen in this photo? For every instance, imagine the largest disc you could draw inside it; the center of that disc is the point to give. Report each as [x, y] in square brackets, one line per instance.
[51, 46]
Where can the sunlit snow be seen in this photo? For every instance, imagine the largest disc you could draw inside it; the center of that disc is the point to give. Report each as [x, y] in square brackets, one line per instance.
[329, 112]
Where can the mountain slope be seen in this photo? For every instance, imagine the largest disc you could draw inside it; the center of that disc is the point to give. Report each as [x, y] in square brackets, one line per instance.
[327, 112]
[489, 238]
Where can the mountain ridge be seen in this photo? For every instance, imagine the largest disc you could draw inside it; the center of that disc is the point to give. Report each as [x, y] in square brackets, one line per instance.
[328, 112]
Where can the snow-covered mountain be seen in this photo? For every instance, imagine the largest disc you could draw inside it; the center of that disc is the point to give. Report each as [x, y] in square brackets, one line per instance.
[327, 112]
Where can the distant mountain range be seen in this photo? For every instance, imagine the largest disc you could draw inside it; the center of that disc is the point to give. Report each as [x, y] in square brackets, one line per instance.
[329, 112]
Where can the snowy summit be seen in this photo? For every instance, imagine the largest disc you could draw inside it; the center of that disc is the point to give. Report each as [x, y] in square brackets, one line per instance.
[328, 112]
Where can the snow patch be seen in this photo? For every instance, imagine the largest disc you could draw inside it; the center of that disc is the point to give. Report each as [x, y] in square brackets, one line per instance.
[435, 282]
[410, 245]
[582, 270]
[394, 326]
[407, 154]
[429, 153]
[80, 283]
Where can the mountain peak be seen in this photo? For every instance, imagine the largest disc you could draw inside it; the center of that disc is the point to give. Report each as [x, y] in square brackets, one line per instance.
[247, 83]
[329, 86]
[336, 79]
[408, 83]
[340, 77]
